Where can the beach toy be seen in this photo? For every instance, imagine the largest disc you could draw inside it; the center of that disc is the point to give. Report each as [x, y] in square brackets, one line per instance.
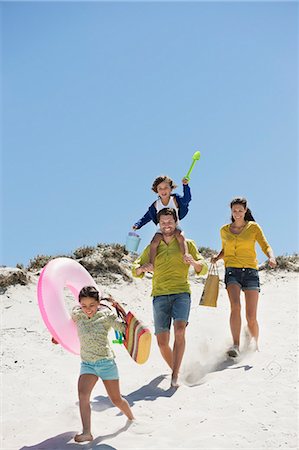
[195, 158]
[55, 276]
[118, 338]
[65, 272]
[132, 242]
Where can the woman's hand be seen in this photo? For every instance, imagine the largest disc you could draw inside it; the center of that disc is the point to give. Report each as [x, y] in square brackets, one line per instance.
[216, 258]
[272, 262]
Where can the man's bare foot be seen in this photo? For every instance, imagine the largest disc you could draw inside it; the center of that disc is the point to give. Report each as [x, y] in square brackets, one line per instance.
[83, 437]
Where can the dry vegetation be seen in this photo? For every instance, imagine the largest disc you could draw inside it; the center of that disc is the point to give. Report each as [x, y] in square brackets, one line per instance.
[290, 263]
[207, 252]
[110, 263]
[10, 276]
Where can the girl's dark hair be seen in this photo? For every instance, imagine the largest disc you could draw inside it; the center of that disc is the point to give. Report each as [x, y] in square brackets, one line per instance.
[242, 201]
[167, 212]
[161, 179]
[89, 291]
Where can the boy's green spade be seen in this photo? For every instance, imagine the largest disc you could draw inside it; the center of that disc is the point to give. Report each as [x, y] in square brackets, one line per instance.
[195, 158]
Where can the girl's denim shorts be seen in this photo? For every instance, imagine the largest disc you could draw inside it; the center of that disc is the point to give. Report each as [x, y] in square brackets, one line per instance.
[105, 368]
[246, 278]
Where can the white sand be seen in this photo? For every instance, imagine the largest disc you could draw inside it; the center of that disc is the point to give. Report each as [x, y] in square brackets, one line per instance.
[251, 404]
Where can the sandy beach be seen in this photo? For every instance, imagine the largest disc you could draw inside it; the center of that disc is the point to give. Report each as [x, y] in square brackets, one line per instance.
[248, 404]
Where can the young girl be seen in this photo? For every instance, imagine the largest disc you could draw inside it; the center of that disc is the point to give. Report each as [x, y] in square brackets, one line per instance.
[94, 321]
[241, 268]
[163, 186]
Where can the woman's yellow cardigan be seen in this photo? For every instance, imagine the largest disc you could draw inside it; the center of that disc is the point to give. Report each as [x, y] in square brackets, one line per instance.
[239, 249]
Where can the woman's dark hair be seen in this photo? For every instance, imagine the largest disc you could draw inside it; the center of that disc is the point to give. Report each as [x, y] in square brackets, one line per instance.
[89, 291]
[242, 201]
[167, 212]
[161, 179]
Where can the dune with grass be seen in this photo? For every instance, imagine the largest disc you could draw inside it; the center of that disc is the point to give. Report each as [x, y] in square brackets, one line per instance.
[250, 403]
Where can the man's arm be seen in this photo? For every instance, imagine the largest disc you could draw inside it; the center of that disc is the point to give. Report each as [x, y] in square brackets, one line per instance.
[195, 259]
[141, 264]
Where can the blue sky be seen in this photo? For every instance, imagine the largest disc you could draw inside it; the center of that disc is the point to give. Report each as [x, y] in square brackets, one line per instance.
[100, 98]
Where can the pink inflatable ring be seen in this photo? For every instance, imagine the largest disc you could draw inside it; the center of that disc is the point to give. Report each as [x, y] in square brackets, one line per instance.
[55, 276]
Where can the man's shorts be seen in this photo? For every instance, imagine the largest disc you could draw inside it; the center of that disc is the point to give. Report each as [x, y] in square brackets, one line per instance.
[247, 279]
[170, 307]
[105, 368]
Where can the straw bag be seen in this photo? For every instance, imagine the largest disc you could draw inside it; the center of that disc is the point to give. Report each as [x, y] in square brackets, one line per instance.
[211, 288]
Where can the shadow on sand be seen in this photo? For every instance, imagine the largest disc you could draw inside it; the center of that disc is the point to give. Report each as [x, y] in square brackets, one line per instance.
[62, 442]
[195, 374]
[227, 363]
[148, 392]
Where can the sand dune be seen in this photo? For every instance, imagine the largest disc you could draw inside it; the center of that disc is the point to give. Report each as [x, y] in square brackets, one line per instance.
[250, 404]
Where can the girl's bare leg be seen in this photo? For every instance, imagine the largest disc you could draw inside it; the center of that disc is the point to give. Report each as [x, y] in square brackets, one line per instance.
[112, 388]
[86, 384]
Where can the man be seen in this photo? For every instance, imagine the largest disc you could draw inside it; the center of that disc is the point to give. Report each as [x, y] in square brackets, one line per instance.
[170, 288]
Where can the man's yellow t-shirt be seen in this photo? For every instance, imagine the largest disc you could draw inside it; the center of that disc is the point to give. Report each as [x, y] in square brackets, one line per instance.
[171, 273]
[239, 249]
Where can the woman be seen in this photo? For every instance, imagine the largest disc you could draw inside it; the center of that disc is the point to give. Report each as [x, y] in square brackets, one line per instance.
[241, 268]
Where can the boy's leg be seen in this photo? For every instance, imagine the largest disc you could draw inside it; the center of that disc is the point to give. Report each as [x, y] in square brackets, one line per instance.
[112, 388]
[182, 241]
[153, 247]
[86, 384]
